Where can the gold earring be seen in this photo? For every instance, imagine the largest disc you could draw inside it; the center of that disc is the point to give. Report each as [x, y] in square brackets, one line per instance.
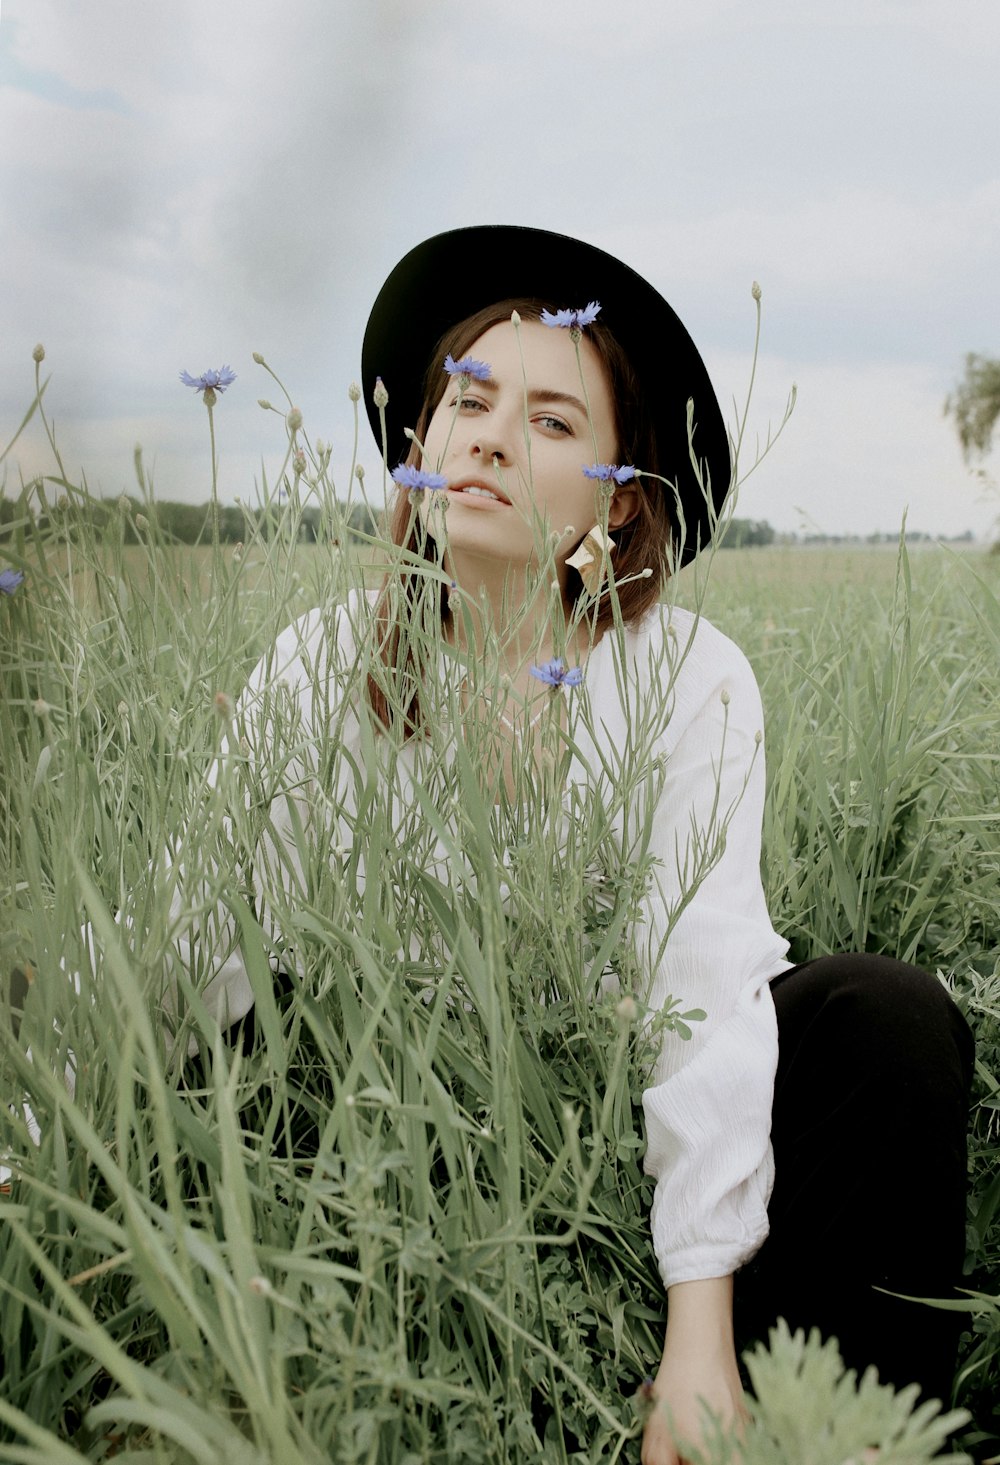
[588, 558]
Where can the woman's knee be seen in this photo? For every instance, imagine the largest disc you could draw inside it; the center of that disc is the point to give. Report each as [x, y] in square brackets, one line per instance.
[874, 1008]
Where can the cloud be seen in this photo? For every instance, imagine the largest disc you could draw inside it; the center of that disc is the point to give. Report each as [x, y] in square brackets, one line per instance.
[225, 213]
[847, 275]
[850, 239]
[188, 184]
[631, 27]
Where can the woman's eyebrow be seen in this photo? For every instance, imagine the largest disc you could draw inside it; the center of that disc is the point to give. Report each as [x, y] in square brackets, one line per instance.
[550, 394]
[537, 395]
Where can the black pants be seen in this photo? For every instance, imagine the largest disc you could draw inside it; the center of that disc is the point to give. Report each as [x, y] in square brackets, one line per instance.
[869, 1131]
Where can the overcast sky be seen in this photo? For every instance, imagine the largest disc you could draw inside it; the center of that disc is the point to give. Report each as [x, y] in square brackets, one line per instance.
[182, 185]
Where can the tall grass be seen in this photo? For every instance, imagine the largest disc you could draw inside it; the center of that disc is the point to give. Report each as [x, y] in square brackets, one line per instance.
[400, 1214]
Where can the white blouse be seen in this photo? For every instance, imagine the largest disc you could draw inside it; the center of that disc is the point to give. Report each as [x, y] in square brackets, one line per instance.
[705, 932]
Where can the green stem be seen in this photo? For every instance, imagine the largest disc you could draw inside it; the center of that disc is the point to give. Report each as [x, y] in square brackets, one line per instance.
[215, 481]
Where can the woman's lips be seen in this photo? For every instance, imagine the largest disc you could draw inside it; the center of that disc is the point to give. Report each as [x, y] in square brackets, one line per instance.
[458, 490]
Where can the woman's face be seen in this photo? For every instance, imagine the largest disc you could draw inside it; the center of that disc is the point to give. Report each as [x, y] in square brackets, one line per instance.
[524, 435]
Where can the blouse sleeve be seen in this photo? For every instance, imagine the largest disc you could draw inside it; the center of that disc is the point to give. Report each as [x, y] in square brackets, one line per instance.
[712, 947]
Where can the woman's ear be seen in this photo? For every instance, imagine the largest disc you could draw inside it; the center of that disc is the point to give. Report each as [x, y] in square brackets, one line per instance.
[623, 507]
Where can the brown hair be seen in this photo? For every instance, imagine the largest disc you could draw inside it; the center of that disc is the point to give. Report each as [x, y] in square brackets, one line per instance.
[641, 544]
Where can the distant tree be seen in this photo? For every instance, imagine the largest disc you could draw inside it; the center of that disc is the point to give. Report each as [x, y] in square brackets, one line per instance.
[743, 533]
[232, 524]
[975, 405]
[309, 526]
[363, 519]
[10, 513]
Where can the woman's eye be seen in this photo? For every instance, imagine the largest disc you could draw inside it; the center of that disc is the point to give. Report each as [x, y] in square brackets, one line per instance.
[468, 404]
[553, 424]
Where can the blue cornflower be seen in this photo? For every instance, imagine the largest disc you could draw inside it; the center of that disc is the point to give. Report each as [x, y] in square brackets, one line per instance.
[416, 478]
[555, 674]
[468, 366]
[610, 472]
[577, 318]
[10, 580]
[216, 381]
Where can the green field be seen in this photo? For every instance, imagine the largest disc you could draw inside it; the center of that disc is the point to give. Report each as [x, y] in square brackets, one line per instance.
[307, 1242]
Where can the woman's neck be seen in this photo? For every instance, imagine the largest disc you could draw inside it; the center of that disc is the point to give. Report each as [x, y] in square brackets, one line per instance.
[527, 623]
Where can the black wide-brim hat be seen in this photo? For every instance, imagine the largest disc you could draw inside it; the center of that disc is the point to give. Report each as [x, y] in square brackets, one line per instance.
[453, 275]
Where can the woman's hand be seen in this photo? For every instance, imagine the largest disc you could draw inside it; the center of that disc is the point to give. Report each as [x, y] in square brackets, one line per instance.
[698, 1369]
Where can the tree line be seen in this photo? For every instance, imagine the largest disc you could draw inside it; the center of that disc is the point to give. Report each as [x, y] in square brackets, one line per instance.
[186, 523]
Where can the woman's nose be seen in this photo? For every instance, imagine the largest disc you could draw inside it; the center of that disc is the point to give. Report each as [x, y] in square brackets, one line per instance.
[494, 436]
[488, 449]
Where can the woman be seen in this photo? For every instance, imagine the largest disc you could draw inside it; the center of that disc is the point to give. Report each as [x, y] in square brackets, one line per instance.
[867, 1060]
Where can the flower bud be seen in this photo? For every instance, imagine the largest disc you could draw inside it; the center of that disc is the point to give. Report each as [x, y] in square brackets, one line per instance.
[40, 707]
[627, 1009]
[141, 522]
[359, 472]
[260, 1286]
[380, 396]
[298, 463]
[62, 503]
[258, 358]
[755, 291]
[223, 705]
[725, 697]
[124, 504]
[515, 318]
[354, 392]
[38, 355]
[294, 419]
[263, 402]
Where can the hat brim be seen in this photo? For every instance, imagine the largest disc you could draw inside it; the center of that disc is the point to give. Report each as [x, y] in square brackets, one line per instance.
[452, 275]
